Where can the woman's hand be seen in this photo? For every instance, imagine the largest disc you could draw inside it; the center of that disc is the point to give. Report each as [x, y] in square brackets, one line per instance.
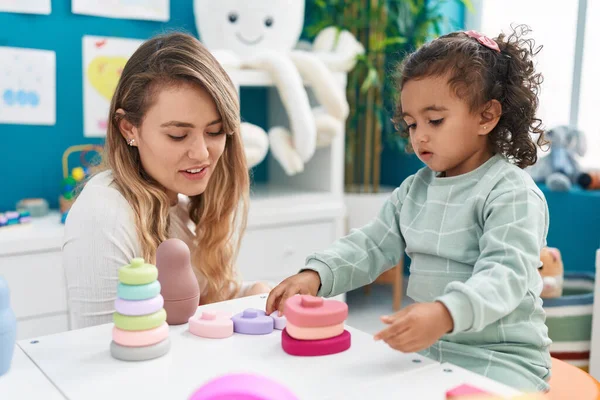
[305, 282]
[257, 288]
[416, 327]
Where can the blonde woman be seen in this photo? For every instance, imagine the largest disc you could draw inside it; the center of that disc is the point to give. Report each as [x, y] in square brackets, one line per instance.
[175, 168]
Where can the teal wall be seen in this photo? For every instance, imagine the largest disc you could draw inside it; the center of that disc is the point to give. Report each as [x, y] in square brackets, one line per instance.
[30, 156]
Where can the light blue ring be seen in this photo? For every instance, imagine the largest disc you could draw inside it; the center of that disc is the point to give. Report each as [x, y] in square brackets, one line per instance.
[138, 292]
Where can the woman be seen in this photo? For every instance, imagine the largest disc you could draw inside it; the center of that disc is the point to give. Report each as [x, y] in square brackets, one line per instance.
[175, 168]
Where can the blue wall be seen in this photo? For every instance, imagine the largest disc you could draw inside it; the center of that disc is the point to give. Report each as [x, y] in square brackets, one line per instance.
[30, 156]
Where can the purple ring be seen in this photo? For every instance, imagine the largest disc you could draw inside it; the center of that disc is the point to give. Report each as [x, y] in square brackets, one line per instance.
[139, 307]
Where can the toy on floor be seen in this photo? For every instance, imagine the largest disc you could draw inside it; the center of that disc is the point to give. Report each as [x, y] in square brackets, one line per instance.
[589, 180]
[560, 169]
[552, 271]
[212, 325]
[179, 286]
[140, 332]
[76, 176]
[243, 387]
[8, 328]
[315, 326]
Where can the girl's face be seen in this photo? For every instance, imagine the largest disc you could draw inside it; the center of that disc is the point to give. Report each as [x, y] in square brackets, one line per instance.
[180, 139]
[444, 133]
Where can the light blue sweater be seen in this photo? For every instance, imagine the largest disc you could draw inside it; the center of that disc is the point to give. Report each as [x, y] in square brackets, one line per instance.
[474, 241]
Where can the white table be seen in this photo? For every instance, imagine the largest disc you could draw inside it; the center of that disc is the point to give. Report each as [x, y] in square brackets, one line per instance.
[79, 363]
[25, 381]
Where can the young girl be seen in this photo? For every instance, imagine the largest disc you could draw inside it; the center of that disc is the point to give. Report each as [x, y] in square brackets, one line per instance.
[472, 221]
[175, 169]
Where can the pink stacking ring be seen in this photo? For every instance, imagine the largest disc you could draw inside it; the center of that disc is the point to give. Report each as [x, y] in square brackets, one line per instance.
[141, 338]
[314, 312]
[325, 332]
[308, 348]
[214, 325]
[139, 307]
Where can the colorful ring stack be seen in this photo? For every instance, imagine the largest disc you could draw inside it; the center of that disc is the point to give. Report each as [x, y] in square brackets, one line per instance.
[315, 327]
[141, 331]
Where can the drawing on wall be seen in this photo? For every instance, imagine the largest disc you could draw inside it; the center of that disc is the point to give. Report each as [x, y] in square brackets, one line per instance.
[103, 61]
[154, 10]
[26, 6]
[27, 86]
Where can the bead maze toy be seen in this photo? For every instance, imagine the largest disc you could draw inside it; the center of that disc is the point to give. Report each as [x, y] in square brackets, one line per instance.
[76, 176]
[315, 327]
[140, 329]
[179, 286]
[243, 387]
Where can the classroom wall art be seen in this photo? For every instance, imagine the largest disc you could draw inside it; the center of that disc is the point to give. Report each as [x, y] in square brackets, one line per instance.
[27, 86]
[103, 61]
[153, 10]
[26, 6]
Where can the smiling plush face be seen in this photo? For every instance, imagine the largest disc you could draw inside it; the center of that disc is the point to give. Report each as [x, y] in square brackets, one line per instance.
[245, 26]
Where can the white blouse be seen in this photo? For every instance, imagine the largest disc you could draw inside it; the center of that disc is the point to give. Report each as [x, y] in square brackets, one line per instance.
[100, 237]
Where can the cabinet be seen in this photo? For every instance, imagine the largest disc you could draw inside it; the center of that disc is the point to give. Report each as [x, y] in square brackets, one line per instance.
[289, 218]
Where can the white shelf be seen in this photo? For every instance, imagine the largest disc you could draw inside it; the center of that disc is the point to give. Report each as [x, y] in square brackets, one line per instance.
[45, 233]
[259, 78]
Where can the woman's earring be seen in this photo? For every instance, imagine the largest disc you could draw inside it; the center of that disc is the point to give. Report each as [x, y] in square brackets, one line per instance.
[130, 142]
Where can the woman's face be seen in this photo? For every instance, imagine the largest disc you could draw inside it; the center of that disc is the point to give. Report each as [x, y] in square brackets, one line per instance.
[180, 139]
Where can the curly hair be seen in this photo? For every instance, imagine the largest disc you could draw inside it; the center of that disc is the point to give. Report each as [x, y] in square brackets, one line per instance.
[479, 74]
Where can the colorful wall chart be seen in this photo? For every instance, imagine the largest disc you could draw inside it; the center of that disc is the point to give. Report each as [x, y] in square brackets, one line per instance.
[26, 6]
[27, 86]
[103, 61]
[154, 10]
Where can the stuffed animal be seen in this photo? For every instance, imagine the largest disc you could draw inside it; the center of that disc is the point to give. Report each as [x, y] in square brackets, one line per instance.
[264, 35]
[560, 169]
[552, 271]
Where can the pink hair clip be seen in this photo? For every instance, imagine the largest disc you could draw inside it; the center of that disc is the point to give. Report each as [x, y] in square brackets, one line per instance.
[484, 40]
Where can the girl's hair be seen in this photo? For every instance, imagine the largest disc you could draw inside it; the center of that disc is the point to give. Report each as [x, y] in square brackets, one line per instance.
[479, 74]
[220, 212]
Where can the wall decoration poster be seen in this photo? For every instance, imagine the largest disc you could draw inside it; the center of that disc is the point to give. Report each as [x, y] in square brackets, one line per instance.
[26, 6]
[103, 61]
[153, 10]
[27, 86]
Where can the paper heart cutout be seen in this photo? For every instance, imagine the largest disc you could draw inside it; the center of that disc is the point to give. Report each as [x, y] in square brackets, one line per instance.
[104, 73]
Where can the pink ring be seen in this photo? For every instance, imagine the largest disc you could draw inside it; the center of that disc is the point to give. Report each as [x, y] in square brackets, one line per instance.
[141, 338]
[325, 332]
[139, 307]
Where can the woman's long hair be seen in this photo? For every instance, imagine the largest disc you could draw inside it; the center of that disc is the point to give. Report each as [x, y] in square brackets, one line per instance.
[220, 212]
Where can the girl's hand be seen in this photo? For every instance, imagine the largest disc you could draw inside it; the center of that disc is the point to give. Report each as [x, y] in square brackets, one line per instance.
[305, 282]
[416, 327]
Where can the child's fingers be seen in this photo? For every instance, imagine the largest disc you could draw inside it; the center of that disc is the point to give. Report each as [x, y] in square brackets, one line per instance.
[273, 299]
[397, 327]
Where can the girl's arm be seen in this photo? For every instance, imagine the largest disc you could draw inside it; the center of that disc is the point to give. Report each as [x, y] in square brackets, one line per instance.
[360, 257]
[515, 229]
